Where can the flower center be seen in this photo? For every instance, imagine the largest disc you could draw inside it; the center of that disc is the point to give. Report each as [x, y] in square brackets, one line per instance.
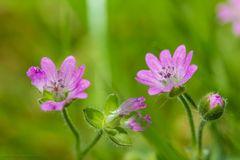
[58, 89]
[167, 74]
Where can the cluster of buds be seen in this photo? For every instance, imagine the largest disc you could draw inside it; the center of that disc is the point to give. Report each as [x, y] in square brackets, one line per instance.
[115, 118]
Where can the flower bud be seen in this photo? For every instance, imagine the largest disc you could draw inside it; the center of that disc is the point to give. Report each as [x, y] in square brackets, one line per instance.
[212, 106]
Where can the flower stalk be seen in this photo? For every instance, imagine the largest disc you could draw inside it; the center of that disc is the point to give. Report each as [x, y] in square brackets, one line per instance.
[190, 119]
[91, 145]
[73, 130]
[200, 133]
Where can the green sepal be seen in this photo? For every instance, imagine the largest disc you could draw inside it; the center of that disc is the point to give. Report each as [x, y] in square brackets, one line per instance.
[190, 100]
[110, 131]
[94, 117]
[120, 137]
[214, 113]
[114, 122]
[177, 91]
[111, 104]
[46, 96]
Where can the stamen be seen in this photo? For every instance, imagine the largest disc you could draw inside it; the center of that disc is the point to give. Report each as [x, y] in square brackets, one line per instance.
[167, 73]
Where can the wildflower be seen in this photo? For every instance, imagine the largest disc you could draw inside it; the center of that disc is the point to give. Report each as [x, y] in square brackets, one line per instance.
[138, 122]
[167, 73]
[58, 88]
[212, 106]
[230, 13]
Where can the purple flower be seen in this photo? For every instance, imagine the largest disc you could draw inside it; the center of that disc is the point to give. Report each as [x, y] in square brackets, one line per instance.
[63, 86]
[215, 100]
[167, 72]
[138, 122]
[230, 12]
[130, 105]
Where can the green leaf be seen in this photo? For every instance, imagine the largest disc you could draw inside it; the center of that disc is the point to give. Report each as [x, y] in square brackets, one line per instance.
[111, 104]
[94, 117]
[120, 137]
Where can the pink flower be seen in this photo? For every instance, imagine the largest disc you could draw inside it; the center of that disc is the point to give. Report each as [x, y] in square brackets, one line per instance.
[130, 105]
[137, 122]
[230, 12]
[215, 100]
[63, 86]
[167, 72]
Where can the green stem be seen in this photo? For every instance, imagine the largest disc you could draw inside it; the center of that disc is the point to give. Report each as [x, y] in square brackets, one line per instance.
[190, 118]
[90, 146]
[200, 132]
[73, 129]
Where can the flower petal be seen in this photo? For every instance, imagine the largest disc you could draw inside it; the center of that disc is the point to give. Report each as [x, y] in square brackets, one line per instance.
[148, 119]
[154, 91]
[224, 13]
[132, 104]
[68, 69]
[37, 76]
[77, 77]
[51, 105]
[215, 99]
[236, 28]
[152, 62]
[138, 122]
[188, 60]
[165, 58]
[190, 71]
[78, 91]
[179, 55]
[168, 88]
[134, 125]
[146, 77]
[49, 68]
[81, 95]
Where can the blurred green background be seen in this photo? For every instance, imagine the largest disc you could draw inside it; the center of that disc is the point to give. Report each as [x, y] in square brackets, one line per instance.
[112, 37]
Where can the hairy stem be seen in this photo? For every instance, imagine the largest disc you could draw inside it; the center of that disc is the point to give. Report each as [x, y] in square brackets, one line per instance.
[200, 132]
[91, 145]
[190, 119]
[73, 130]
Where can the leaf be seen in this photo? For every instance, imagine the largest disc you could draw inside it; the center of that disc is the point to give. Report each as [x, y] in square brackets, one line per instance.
[94, 117]
[120, 137]
[111, 104]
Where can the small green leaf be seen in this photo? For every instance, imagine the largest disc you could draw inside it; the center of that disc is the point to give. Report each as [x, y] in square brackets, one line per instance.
[111, 104]
[121, 137]
[94, 117]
